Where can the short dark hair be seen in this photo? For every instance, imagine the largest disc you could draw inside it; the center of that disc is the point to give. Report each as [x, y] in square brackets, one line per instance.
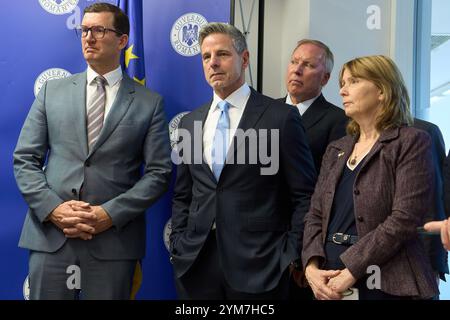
[237, 37]
[121, 22]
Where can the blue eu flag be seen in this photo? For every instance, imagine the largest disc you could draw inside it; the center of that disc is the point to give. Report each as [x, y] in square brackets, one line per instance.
[133, 63]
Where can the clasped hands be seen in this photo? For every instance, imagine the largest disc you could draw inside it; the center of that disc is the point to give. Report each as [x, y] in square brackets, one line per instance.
[78, 219]
[328, 284]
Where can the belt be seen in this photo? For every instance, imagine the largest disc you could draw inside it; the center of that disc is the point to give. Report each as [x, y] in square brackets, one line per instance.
[341, 238]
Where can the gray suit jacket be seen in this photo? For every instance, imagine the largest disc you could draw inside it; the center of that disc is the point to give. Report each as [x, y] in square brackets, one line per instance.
[126, 171]
[392, 192]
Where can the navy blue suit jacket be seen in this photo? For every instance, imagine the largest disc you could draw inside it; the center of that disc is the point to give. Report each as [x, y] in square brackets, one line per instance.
[259, 218]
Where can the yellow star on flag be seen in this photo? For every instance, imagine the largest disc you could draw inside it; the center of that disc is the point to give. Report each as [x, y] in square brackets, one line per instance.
[140, 81]
[129, 55]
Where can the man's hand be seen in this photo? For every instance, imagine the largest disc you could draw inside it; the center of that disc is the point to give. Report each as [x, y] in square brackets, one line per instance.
[443, 227]
[69, 213]
[80, 228]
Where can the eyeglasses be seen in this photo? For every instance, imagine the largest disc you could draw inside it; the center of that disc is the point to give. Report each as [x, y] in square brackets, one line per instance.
[97, 32]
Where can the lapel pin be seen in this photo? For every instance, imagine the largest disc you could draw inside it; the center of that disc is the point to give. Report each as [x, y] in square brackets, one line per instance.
[340, 154]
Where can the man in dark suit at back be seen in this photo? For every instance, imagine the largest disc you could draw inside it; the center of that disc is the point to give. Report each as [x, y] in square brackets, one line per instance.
[308, 72]
[432, 244]
[237, 224]
[443, 226]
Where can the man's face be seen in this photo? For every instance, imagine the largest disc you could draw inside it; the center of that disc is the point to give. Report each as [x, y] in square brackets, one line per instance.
[103, 52]
[306, 73]
[224, 68]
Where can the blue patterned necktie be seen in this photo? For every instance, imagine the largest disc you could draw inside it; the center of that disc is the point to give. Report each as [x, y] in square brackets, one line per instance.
[220, 143]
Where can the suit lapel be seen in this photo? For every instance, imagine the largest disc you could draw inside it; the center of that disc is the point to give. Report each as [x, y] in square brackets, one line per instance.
[78, 105]
[201, 115]
[315, 112]
[123, 100]
[343, 149]
[387, 135]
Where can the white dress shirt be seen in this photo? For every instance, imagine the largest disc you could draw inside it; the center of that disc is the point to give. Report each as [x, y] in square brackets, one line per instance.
[113, 81]
[302, 106]
[237, 101]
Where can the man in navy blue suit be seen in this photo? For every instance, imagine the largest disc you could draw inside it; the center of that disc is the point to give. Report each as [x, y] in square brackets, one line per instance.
[236, 227]
[443, 226]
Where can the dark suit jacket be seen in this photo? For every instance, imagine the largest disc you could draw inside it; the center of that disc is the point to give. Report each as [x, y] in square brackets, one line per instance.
[392, 192]
[324, 122]
[433, 245]
[257, 232]
[447, 184]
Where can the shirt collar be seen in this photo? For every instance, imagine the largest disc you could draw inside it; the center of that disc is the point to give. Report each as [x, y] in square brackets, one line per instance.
[237, 99]
[302, 106]
[306, 104]
[111, 77]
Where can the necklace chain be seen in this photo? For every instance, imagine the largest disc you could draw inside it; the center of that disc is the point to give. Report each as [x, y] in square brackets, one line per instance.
[353, 161]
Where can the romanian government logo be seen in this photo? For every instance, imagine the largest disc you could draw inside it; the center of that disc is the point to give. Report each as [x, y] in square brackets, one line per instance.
[173, 128]
[184, 34]
[58, 7]
[49, 74]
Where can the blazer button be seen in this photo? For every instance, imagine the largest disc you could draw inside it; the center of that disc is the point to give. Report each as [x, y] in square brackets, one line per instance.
[360, 219]
[74, 191]
[87, 164]
[356, 192]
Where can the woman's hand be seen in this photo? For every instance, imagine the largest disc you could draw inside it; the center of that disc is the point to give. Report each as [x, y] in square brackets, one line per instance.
[342, 282]
[318, 280]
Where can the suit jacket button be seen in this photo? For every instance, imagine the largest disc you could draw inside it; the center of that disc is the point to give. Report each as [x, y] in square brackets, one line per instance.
[74, 191]
[171, 259]
[87, 164]
[360, 219]
[356, 192]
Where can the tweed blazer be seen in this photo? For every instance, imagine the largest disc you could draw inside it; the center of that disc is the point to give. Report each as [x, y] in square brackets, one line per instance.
[391, 195]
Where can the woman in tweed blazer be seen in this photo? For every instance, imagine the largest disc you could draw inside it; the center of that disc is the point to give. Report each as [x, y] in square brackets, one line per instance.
[374, 188]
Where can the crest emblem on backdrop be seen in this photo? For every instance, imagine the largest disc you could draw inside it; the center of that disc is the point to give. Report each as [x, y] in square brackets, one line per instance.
[49, 74]
[173, 128]
[58, 7]
[184, 34]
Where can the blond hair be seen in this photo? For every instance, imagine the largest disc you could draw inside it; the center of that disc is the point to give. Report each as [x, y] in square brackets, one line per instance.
[382, 71]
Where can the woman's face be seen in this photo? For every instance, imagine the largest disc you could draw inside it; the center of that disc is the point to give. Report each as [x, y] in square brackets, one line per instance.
[361, 98]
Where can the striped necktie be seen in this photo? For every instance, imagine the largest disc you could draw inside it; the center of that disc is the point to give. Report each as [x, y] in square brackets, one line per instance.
[96, 111]
[220, 142]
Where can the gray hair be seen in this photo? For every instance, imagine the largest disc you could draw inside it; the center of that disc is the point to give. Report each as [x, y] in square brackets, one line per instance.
[238, 39]
[329, 57]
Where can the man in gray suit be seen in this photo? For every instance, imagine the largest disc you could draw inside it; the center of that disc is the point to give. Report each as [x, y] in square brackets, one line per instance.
[92, 156]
